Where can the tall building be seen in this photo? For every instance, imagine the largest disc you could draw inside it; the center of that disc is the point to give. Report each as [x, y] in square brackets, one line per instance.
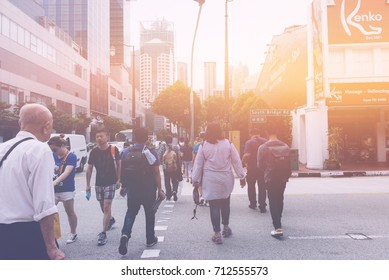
[87, 22]
[37, 64]
[182, 72]
[209, 80]
[116, 30]
[239, 77]
[157, 65]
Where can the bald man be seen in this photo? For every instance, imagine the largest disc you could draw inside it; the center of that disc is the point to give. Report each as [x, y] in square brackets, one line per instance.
[27, 204]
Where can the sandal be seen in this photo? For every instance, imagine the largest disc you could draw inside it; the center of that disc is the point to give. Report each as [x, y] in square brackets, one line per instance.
[217, 239]
[227, 232]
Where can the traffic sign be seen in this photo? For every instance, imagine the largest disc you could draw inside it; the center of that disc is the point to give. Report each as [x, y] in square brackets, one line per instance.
[258, 119]
[269, 112]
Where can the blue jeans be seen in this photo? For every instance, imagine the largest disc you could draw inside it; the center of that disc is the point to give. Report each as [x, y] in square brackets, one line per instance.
[134, 201]
[217, 207]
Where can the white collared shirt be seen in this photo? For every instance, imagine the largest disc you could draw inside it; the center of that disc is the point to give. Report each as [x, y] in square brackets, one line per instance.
[26, 184]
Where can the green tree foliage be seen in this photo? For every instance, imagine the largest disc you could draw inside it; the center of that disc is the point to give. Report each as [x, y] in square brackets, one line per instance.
[241, 112]
[218, 109]
[5, 114]
[114, 125]
[62, 122]
[81, 123]
[174, 104]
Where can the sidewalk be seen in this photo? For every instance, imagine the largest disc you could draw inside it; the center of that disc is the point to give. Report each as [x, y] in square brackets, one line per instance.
[349, 169]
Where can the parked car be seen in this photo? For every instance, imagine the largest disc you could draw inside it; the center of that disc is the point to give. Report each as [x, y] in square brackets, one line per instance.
[76, 144]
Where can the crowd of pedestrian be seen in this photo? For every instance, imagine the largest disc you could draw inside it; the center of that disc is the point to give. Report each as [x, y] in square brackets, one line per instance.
[37, 172]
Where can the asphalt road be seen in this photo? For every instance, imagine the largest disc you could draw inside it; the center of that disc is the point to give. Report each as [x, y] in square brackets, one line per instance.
[324, 219]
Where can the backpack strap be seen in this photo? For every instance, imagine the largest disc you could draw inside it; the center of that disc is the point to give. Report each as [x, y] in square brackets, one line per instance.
[13, 147]
[113, 152]
[63, 162]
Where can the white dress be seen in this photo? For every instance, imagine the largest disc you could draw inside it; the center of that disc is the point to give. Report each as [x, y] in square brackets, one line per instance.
[213, 169]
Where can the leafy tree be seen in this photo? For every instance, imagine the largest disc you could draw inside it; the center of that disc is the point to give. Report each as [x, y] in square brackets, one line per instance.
[241, 112]
[174, 104]
[5, 114]
[81, 123]
[114, 125]
[62, 122]
[217, 108]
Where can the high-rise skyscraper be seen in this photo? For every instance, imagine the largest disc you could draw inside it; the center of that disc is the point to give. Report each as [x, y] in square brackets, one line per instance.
[182, 72]
[209, 80]
[157, 64]
[87, 22]
[156, 59]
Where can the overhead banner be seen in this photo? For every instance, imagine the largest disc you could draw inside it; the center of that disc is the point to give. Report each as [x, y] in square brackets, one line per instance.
[358, 21]
[357, 94]
[317, 37]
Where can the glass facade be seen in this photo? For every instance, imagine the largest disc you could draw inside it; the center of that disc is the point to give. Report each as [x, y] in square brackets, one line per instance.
[34, 43]
[87, 22]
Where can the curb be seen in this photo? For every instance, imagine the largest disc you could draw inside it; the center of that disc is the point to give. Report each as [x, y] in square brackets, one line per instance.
[337, 174]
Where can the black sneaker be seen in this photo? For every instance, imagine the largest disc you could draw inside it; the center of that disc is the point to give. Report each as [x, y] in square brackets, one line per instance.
[175, 196]
[102, 239]
[123, 245]
[152, 243]
[111, 223]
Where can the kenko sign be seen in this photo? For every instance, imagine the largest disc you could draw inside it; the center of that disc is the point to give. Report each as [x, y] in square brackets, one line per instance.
[358, 21]
[357, 94]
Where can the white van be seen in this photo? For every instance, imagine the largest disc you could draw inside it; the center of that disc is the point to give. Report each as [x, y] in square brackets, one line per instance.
[77, 145]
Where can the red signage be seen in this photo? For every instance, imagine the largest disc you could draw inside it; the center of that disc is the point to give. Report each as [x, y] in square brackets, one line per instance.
[358, 21]
[357, 94]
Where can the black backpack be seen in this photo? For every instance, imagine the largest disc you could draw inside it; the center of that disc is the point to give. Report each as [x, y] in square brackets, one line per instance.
[279, 163]
[135, 168]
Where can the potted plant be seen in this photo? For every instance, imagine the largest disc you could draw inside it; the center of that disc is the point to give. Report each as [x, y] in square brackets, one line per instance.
[335, 148]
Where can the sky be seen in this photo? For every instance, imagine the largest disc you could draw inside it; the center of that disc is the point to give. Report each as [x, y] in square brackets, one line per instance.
[251, 25]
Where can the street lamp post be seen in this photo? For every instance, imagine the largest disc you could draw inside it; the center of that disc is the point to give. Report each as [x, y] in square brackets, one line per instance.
[201, 2]
[226, 75]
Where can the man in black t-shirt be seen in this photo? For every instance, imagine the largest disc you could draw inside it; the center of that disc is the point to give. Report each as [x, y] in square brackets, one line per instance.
[254, 176]
[106, 159]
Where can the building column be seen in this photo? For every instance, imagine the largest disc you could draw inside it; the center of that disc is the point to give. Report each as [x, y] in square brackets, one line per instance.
[317, 136]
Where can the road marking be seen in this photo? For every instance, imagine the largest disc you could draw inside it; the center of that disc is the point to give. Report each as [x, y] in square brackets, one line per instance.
[161, 221]
[350, 236]
[318, 237]
[160, 228]
[168, 206]
[167, 212]
[161, 239]
[154, 253]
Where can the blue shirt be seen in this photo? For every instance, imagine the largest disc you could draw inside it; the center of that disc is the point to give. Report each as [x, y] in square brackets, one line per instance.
[67, 185]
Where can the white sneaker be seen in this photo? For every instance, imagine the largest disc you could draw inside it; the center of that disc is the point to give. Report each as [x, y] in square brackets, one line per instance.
[72, 238]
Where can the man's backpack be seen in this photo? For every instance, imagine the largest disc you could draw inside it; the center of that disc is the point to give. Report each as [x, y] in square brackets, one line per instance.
[134, 168]
[279, 161]
[169, 160]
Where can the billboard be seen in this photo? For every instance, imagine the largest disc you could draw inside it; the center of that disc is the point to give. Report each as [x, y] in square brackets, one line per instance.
[359, 94]
[358, 21]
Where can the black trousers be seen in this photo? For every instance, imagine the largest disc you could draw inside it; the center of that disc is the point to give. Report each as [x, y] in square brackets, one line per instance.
[171, 180]
[22, 241]
[275, 192]
[256, 178]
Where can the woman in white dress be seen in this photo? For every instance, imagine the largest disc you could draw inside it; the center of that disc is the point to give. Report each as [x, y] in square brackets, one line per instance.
[213, 170]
